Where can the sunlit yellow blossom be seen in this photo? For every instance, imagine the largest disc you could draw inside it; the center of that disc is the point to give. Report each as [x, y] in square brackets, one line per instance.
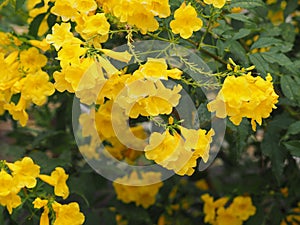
[159, 8]
[36, 87]
[24, 172]
[85, 6]
[216, 3]
[43, 45]
[138, 192]
[31, 60]
[68, 214]
[245, 96]
[8, 192]
[60, 35]
[57, 179]
[242, 207]
[155, 69]
[185, 21]
[163, 147]
[64, 9]
[93, 25]
[209, 208]
[60, 82]
[18, 111]
[198, 140]
[9, 70]
[146, 98]
[70, 53]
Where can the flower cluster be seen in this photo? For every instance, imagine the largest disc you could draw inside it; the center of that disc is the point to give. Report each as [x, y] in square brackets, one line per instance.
[137, 191]
[220, 212]
[23, 176]
[179, 153]
[23, 81]
[245, 96]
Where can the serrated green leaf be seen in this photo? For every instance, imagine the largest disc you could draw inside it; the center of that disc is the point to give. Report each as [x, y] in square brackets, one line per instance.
[247, 4]
[293, 147]
[239, 17]
[260, 64]
[241, 33]
[290, 87]
[281, 59]
[265, 42]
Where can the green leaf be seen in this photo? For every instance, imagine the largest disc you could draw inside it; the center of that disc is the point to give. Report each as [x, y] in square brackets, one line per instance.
[239, 17]
[293, 147]
[19, 4]
[260, 64]
[290, 87]
[294, 128]
[241, 33]
[271, 146]
[238, 51]
[281, 59]
[247, 4]
[265, 42]
[35, 24]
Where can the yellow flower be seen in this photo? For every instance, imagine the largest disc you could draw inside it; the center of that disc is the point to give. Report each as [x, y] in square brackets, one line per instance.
[18, 111]
[216, 3]
[64, 9]
[36, 87]
[140, 194]
[185, 21]
[60, 35]
[57, 179]
[8, 192]
[163, 147]
[43, 45]
[245, 96]
[9, 70]
[93, 25]
[227, 217]
[202, 184]
[155, 69]
[242, 207]
[85, 6]
[160, 8]
[198, 140]
[208, 208]
[24, 172]
[31, 60]
[67, 214]
[39, 203]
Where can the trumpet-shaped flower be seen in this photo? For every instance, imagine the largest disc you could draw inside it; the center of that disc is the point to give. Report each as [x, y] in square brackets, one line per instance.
[25, 172]
[245, 96]
[40, 203]
[242, 207]
[18, 111]
[57, 179]
[31, 60]
[36, 87]
[8, 192]
[185, 21]
[67, 214]
[137, 191]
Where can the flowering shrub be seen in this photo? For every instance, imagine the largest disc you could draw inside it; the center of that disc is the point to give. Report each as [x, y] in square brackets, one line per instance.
[149, 112]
